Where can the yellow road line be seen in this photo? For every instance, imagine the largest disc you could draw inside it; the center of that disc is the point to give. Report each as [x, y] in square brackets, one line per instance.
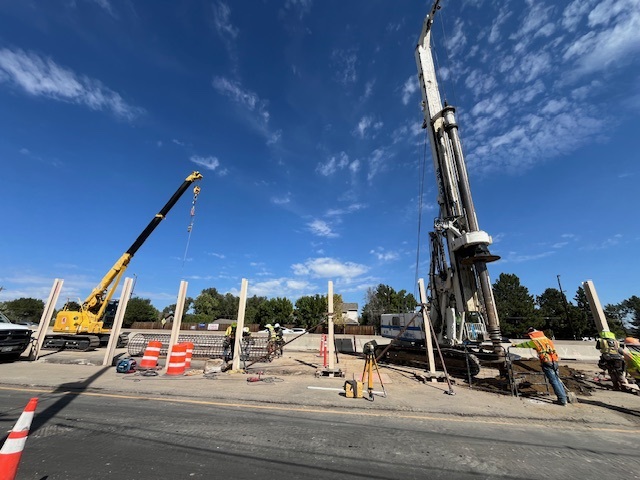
[324, 411]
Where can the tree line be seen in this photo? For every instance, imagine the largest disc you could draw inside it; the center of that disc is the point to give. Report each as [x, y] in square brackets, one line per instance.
[517, 310]
[307, 312]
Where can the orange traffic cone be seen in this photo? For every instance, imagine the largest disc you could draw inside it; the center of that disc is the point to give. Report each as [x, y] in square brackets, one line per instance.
[12, 449]
[151, 354]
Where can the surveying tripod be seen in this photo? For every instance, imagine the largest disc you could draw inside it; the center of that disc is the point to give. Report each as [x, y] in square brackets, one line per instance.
[370, 363]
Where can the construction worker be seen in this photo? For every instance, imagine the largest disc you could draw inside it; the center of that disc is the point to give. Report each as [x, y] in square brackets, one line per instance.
[271, 331]
[279, 337]
[229, 341]
[631, 353]
[611, 359]
[548, 360]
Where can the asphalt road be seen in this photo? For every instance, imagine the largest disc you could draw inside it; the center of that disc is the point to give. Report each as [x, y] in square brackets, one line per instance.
[99, 436]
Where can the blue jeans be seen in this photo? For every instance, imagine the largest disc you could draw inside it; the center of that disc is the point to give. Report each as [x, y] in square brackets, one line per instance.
[550, 370]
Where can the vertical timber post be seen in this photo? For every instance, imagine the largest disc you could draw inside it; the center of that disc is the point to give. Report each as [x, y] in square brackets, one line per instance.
[242, 306]
[127, 288]
[177, 319]
[331, 342]
[426, 324]
[47, 313]
[595, 306]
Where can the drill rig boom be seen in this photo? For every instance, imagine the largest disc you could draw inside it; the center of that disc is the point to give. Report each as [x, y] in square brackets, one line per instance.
[460, 294]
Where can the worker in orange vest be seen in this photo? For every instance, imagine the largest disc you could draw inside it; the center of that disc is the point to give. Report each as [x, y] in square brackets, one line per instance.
[548, 359]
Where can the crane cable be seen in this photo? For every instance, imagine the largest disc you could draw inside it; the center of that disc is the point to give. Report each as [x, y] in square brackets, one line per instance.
[196, 192]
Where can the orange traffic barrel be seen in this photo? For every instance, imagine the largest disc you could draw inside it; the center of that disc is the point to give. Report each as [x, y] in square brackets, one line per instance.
[177, 359]
[187, 358]
[151, 354]
[11, 450]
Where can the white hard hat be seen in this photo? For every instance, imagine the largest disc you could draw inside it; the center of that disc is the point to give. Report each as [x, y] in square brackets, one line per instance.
[245, 329]
[267, 325]
[277, 325]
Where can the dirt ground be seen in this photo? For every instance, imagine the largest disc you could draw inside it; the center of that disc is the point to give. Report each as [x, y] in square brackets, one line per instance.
[582, 378]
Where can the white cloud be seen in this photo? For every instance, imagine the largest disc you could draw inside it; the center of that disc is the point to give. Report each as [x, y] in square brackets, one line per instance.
[40, 76]
[354, 207]
[335, 163]
[366, 123]
[377, 163]
[409, 88]
[210, 163]
[329, 268]
[384, 256]
[281, 200]
[321, 228]
[224, 27]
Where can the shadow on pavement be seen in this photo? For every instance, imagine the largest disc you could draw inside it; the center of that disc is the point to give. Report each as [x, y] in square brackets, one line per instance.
[608, 406]
[69, 392]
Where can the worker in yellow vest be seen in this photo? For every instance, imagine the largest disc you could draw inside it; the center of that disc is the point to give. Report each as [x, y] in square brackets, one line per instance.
[548, 360]
[611, 359]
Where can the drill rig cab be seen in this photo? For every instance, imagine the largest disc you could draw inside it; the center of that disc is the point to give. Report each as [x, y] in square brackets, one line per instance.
[85, 328]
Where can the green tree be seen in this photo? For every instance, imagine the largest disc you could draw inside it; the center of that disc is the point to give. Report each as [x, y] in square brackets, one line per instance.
[311, 310]
[139, 310]
[516, 307]
[631, 310]
[275, 310]
[552, 309]
[384, 299]
[24, 309]
[251, 310]
[615, 315]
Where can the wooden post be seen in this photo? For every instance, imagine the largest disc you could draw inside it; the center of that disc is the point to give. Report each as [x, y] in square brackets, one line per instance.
[594, 305]
[177, 319]
[240, 324]
[127, 287]
[426, 322]
[331, 342]
[47, 313]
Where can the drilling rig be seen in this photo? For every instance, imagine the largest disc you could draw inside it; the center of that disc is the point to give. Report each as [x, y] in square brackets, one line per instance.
[460, 298]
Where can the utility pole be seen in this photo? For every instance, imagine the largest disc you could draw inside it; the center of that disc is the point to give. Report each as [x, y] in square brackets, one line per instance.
[566, 309]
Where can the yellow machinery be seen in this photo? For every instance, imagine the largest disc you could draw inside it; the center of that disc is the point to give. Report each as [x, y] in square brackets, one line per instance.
[84, 329]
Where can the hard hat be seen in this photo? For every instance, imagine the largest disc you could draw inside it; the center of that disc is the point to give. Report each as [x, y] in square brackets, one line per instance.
[267, 325]
[277, 325]
[531, 330]
[245, 329]
[607, 334]
[632, 340]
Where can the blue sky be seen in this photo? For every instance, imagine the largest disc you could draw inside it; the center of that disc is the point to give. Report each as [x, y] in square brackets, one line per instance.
[304, 118]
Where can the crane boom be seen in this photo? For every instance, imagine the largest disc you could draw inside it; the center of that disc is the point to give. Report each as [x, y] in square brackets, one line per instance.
[96, 301]
[88, 320]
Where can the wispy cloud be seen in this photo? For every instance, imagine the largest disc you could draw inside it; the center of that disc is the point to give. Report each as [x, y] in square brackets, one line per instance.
[42, 77]
[210, 163]
[225, 29]
[377, 163]
[283, 200]
[542, 79]
[383, 255]
[257, 114]
[344, 62]
[336, 163]
[321, 228]
[354, 207]
[409, 88]
[367, 124]
[326, 267]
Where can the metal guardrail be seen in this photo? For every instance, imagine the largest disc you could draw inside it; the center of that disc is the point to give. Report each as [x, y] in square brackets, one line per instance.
[204, 346]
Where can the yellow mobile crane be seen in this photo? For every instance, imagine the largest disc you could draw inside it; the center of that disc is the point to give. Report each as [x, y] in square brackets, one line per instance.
[85, 328]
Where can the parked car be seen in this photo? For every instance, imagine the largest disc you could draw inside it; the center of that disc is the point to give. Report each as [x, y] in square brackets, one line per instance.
[14, 339]
[299, 330]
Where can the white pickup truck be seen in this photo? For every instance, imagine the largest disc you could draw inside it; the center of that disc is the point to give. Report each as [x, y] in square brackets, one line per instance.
[14, 339]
